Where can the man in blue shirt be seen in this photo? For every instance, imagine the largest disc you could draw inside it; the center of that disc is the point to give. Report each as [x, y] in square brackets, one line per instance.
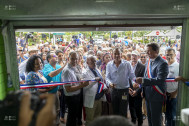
[22, 42]
[52, 72]
[118, 73]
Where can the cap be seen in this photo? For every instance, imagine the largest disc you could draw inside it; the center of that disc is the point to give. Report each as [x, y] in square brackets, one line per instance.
[135, 53]
[32, 48]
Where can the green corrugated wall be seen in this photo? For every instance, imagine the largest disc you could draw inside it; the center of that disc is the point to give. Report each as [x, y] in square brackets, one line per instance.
[3, 71]
[183, 97]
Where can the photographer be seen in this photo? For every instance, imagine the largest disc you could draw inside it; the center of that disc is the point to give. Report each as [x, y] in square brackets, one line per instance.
[46, 115]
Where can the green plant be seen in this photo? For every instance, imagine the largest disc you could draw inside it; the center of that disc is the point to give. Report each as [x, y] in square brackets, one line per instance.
[135, 41]
[146, 41]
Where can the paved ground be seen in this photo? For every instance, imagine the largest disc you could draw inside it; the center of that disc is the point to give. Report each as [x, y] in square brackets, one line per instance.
[145, 123]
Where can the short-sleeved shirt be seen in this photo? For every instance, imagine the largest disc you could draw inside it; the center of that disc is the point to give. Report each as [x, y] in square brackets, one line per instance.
[69, 74]
[46, 70]
[21, 59]
[173, 72]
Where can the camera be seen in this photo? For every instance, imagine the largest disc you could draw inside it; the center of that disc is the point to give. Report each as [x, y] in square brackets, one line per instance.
[29, 35]
[74, 37]
[10, 107]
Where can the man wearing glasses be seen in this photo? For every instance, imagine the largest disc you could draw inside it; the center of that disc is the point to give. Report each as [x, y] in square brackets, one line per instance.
[92, 96]
[52, 72]
[143, 58]
[172, 87]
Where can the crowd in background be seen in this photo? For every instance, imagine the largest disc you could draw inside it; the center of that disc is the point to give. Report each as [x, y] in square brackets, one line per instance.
[78, 60]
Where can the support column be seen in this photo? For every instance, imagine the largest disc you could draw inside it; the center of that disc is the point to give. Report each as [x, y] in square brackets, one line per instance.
[183, 92]
[3, 70]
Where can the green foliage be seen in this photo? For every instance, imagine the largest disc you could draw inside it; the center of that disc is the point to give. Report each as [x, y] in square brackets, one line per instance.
[179, 28]
[146, 41]
[17, 34]
[135, 41]
[128, 33]
[106, 36]
[86, 34]
[141, 33]
[141, 41]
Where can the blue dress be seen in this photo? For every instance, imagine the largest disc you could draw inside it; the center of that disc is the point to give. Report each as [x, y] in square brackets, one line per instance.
[34, 78]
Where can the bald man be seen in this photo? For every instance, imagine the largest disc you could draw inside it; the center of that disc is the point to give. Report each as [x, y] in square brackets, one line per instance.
[118, 73]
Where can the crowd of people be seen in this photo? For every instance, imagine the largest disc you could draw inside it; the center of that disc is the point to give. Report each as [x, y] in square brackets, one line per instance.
[131, 75]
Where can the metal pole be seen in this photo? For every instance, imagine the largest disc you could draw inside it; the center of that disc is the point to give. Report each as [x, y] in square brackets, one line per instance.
[49, 37]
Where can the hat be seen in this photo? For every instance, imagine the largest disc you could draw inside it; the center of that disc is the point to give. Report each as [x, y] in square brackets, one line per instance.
[32, 48]
[135, 53]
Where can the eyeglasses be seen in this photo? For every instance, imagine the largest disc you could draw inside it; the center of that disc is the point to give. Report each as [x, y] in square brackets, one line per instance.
[143, 56]
[169, 54]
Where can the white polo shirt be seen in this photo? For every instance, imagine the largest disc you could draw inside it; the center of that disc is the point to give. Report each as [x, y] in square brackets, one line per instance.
[173, 72]
[69, 74]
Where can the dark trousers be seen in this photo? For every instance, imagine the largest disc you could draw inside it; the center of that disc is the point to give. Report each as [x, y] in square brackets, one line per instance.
[154, 112]
[62, 103]
[119, 104]
[75, 104]
[135, 107]
[170, 111]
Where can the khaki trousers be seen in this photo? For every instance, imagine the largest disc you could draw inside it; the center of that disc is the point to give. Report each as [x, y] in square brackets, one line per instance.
[92, 113]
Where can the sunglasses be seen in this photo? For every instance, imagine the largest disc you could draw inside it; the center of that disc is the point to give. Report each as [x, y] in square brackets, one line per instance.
[143, 56]
[54, 56]
[169, 54]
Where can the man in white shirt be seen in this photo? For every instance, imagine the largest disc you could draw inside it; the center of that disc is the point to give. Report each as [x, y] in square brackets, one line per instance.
[118, 73]
[92, 96]
[172, 87]
[73, 92]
